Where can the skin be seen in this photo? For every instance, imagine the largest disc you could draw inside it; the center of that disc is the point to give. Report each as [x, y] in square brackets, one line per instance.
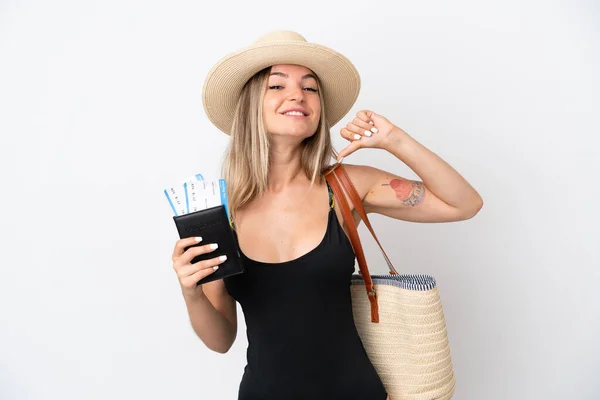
[409, 192]
[288, 199]
[282, 93]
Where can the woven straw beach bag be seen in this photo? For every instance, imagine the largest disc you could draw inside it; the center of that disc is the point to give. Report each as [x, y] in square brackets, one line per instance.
[400, 318]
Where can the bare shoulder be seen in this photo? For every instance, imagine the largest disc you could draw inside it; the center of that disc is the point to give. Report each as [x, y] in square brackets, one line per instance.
[362, 177]
[359, 176]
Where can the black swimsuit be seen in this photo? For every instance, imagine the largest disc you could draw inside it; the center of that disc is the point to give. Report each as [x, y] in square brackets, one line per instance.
[302, 342]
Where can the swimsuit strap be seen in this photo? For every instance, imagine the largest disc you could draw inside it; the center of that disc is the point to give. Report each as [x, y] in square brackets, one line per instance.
[331, 198]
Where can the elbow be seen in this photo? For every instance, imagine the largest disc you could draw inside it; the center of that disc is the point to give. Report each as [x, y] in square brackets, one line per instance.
[223, 348]
[479, 206]
[473, 210]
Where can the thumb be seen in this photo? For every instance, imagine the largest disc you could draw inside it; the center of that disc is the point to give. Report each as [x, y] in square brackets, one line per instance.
[351, 148]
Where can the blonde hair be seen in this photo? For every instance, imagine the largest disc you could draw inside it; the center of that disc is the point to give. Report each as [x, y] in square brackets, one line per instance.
[246, 163]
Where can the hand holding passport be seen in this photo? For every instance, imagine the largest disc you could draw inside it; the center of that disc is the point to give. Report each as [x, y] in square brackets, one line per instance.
[200, 210]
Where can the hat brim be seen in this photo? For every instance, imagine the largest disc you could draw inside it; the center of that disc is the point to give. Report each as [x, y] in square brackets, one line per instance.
[223, 84]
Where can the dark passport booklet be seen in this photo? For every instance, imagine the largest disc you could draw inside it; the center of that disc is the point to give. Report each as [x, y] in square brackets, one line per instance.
[213, 226]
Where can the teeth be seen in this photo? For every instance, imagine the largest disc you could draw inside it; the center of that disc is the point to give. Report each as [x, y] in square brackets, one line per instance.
[294, 113]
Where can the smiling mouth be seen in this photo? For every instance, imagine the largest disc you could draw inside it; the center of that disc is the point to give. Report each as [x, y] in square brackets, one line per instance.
[295, 115]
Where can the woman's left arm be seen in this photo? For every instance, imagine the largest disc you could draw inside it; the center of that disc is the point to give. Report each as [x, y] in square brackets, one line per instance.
[442, 194]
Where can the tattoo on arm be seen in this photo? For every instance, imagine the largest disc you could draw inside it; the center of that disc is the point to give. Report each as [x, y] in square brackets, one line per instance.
[409, 192]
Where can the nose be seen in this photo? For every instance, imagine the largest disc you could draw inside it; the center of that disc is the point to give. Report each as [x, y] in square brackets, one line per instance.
[296, 93]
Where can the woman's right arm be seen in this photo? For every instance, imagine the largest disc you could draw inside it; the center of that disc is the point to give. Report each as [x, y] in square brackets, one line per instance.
[211, 309]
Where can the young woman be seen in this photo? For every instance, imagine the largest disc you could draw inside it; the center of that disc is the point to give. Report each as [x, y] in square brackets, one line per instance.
[277, 100]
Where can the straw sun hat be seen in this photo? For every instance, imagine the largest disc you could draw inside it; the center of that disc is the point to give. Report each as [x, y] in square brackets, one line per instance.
[340, 81]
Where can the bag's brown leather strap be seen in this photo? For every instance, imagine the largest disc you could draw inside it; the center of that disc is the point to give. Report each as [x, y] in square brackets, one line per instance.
[347, 184]
[355, 240]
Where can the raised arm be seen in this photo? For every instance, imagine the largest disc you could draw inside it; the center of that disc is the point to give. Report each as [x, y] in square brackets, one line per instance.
[440, 195]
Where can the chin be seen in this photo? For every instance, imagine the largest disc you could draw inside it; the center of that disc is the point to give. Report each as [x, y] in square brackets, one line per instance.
[300, 133]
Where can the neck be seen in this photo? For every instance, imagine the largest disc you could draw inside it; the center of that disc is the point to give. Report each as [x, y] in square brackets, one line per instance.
[285, 166]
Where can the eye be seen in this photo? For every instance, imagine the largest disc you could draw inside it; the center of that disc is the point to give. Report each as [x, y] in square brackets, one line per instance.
[309, 88]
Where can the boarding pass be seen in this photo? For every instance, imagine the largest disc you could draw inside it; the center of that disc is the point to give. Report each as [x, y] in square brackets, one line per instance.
[195, 194]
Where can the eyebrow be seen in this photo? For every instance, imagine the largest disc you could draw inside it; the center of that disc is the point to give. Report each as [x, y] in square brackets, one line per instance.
[287, 76]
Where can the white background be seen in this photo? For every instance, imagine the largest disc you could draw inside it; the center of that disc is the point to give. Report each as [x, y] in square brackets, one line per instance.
[100, 109]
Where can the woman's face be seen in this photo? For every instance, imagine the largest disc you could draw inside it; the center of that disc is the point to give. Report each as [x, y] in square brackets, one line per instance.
[291, 87]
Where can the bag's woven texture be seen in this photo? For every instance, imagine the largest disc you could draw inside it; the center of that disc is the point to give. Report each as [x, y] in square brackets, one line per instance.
[408, 346]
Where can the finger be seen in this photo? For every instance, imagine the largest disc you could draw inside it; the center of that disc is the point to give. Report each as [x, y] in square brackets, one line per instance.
[351, 148]
[181, 245]
[190, 269]
[360, 127]
[361, 124]
[192, 280]
[192, 252]
[364, 116]
[367, 117]
[352, 136]
[348, 135]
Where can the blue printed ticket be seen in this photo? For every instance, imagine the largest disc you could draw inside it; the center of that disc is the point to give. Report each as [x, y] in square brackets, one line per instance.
[196, 194]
